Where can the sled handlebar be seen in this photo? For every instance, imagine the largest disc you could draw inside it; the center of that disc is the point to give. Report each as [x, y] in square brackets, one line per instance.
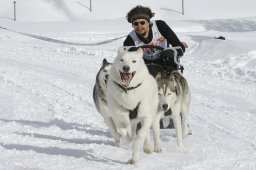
[152, 46]
[176, 55]
[178, 48]
[177, 51]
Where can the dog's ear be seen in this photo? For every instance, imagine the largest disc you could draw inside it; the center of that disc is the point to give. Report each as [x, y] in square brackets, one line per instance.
[158, 76]
[104, 61]
[173, 79]
[175, 83]
[121, 50]
[140, 51]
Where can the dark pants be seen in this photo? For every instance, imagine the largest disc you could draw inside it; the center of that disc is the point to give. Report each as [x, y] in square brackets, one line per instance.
[154, 66]
[164, 63]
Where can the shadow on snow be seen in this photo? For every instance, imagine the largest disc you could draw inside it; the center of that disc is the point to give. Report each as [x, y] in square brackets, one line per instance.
[77, 153]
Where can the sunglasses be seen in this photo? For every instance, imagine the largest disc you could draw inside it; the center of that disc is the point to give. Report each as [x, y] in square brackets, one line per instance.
[137, 23]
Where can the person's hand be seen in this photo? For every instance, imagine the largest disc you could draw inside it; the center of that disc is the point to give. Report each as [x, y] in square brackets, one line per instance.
[184, 44]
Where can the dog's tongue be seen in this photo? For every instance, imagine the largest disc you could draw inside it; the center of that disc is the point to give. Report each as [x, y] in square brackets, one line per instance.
[126, 77]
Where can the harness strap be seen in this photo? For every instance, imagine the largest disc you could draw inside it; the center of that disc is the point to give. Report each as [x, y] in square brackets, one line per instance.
[134, 113]
[128, 88]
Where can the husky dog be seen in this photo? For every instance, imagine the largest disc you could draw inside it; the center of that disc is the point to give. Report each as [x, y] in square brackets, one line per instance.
[174, 95]
[99, 96]
[132, 98]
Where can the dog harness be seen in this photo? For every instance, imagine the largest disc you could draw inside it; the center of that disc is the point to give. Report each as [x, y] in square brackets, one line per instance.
[134, 113]
[157, 40]
[128, 88]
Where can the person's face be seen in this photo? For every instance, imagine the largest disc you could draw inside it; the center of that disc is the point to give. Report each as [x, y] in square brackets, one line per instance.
[141, 26]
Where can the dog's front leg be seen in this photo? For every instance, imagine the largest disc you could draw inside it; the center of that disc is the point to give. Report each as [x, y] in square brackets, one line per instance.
[147, 147]
[185, 125]
[139, 139]
[178, 128]
[156, 132]
[112, 127]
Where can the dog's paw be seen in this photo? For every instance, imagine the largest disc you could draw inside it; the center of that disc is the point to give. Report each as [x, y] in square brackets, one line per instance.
[157, 149]
[186, 131]
[147, 150]
[134, 159]
[131, 161]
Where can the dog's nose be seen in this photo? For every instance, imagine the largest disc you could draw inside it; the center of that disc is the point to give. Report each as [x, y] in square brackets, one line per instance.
[126, 68]
[165, 106]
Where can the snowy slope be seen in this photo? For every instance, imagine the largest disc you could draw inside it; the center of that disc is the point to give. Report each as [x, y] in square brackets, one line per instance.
[76, 10]
[48, 119]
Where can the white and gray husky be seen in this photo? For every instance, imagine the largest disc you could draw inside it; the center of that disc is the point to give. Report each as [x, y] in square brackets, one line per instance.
[132, 98]
[174, 95]
[100, 99]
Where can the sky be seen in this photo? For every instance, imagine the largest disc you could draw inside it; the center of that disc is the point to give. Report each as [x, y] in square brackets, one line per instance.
[48, 119]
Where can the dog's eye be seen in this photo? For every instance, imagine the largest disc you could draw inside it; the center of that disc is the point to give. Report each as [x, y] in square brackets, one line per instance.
[121, 60]
[134, 61]
[169, 94]
[104, 70]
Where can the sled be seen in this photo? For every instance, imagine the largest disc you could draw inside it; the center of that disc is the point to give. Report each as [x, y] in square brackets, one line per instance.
[169, 60]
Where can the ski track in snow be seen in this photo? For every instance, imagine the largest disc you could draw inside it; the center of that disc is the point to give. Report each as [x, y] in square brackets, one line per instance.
[48, 119]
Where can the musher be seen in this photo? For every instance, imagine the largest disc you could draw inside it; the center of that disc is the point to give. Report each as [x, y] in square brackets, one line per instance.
[155, 33]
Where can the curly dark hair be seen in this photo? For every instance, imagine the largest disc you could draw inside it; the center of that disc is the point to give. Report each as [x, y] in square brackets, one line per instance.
[137, 11]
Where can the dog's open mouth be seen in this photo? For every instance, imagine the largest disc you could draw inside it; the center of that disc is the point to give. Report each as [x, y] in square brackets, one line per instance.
[126, 78]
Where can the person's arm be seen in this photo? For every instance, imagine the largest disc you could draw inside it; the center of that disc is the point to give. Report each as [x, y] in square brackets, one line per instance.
[168, 33]
[128, 41]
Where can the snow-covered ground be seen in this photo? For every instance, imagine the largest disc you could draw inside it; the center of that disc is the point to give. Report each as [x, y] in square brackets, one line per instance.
[48, 119]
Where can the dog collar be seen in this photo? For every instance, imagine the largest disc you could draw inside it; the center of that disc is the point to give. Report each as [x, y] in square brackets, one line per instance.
[128, 88]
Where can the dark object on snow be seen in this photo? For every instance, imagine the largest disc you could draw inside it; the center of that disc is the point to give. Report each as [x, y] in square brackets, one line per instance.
[220, 38]
[170, 126]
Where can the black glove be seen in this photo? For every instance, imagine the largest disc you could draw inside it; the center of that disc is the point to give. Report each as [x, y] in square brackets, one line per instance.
[179, 53]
